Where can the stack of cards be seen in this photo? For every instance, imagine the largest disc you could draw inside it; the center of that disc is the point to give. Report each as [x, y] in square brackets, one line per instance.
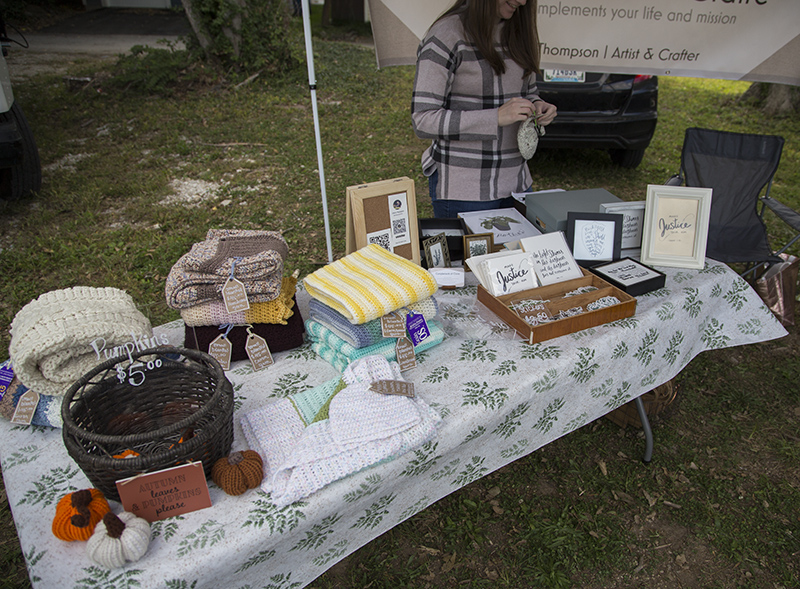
[539, 261]
[504, 272]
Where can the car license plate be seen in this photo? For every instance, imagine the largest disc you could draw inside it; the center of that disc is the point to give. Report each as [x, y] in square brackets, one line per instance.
[564, 76]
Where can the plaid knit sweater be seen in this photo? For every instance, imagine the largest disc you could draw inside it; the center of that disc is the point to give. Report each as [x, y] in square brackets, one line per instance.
[455, 103]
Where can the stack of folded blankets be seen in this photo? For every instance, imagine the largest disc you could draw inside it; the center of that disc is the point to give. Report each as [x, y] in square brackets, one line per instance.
[321, 435]
[351, 295]
[254, 258]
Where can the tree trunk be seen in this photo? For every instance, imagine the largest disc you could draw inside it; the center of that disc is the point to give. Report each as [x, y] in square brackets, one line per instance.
[326, 13]
[199, 31]
[775, 99]
[779, 100]
[234, 32]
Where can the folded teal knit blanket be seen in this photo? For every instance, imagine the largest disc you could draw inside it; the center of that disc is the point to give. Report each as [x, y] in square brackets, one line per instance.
[338, 353]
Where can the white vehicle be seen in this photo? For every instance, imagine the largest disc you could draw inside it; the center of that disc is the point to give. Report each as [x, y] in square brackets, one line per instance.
[20, 168]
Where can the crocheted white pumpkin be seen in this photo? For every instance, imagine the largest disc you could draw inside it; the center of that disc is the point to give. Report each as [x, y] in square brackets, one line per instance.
[118, 539]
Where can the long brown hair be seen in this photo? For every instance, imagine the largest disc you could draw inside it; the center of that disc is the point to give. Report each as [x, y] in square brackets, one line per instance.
[519, 35]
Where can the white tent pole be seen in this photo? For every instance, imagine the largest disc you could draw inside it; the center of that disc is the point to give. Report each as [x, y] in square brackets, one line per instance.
[312, 84]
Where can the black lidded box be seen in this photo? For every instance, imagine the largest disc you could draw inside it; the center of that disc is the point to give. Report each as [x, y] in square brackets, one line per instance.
[630, 276]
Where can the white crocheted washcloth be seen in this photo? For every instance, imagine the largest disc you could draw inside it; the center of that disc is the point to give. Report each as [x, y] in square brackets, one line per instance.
[52, 336]
[363, 428]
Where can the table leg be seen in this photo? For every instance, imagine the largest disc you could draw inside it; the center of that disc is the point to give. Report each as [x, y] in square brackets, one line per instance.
[648, 432]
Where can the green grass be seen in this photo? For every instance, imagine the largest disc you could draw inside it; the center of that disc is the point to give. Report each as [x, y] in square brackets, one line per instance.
[718, 507]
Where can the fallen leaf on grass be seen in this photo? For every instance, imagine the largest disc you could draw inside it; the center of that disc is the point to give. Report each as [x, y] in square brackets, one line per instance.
[448, 563]
[496, 507]
[639, 568]
[603, 468]
[622, 495]
[649, 498]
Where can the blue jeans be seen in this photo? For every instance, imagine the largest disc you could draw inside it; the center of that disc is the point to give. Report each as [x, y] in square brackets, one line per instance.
[449, 209]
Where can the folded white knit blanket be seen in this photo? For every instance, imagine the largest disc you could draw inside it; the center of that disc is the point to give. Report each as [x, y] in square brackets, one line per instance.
[63, 334]
[363, 428]
[370, 283]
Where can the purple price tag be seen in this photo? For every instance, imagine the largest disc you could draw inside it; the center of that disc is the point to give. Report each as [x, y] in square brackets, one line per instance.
[417, 328]
[6, 376]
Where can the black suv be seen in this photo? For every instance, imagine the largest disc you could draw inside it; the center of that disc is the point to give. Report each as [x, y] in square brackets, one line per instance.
[615, 112]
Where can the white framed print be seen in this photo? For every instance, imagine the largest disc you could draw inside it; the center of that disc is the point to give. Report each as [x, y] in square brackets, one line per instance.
[675, 229]
[632, 223]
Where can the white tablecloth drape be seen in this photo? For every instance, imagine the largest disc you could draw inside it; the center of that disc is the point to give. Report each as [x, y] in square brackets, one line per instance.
[499, 398]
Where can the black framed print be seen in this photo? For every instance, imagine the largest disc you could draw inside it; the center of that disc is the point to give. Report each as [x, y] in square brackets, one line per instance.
[594, 237]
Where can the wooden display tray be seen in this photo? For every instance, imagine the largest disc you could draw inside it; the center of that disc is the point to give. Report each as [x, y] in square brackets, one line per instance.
[554, 294]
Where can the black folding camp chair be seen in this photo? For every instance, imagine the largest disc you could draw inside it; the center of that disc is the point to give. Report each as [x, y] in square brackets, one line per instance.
[737, 166]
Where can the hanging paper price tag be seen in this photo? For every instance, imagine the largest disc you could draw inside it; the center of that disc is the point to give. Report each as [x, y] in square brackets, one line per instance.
[417, 328]
[220, 350]
[392, 325]
[26, 407]
[404, 350]
[234, 296]
[393, 387]
[258, 351]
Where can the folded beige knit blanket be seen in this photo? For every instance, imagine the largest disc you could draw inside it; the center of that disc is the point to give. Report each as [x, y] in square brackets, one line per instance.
[63, 334]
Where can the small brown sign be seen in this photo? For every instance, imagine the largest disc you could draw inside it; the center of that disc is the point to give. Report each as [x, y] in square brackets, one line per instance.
[234, 295]
[162, 494]
[26, 407]
[393, 387]
[393, 325]
[258, 351]
[220, 349]
[405, 354]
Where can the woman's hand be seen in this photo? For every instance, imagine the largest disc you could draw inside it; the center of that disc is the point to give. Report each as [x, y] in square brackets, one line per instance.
[515, 110]
[519, 109]
[545, 112]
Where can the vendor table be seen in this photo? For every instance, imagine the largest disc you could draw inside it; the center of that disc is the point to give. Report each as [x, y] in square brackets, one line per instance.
[500, 399]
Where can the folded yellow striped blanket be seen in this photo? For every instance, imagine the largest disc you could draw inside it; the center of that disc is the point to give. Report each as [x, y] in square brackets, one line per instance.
[370, 283]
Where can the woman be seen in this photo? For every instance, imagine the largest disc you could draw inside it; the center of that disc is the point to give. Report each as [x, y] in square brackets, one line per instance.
[475, 83]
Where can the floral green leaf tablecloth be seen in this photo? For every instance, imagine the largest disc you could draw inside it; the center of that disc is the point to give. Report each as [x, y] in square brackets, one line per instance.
[500, 399]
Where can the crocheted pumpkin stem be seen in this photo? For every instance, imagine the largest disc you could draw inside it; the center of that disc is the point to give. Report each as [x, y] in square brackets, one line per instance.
[235, 458]
[114, 525]
[80, 501]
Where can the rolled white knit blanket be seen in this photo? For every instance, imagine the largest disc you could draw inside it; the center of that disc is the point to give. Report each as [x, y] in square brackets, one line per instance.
[63, 334]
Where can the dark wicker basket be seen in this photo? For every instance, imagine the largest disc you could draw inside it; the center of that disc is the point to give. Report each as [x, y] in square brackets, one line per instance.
[654, 402]
[177, 406]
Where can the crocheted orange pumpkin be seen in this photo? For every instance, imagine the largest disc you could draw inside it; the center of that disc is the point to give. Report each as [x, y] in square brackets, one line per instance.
[78, 513]
[238, 472]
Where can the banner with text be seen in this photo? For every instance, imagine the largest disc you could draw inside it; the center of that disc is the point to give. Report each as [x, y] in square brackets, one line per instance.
[756, 40]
